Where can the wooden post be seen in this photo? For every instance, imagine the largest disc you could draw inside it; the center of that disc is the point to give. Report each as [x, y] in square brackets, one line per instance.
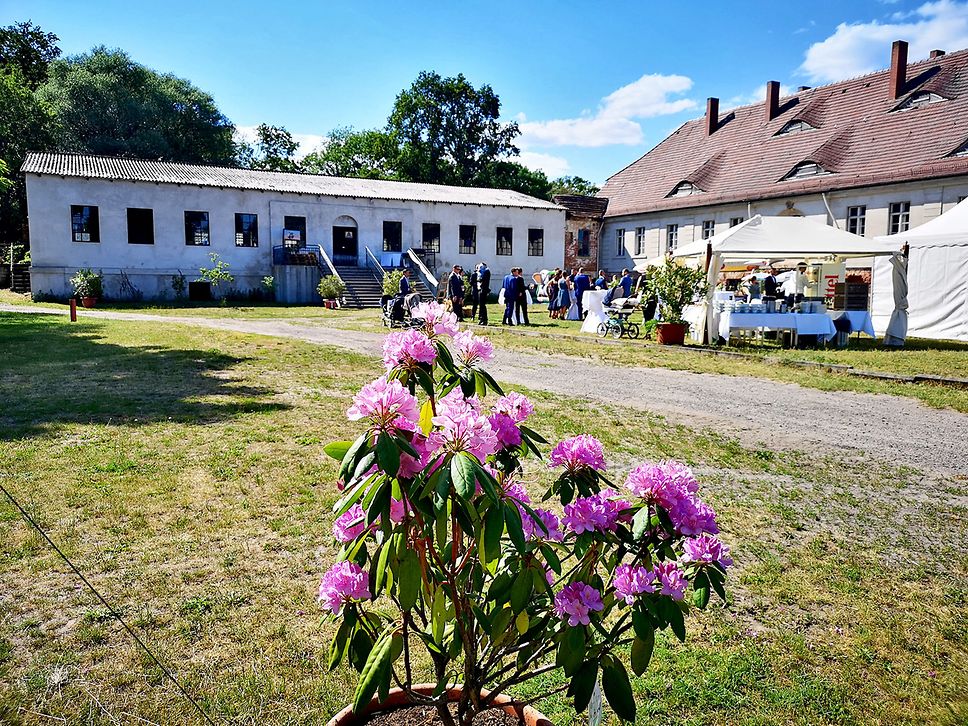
[73, 310]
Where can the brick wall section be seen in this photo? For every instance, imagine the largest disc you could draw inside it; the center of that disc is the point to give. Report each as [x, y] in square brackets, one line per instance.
[583, 215]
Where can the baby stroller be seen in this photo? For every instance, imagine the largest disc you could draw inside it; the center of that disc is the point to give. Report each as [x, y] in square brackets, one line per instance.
[617, 324]
[398, 310]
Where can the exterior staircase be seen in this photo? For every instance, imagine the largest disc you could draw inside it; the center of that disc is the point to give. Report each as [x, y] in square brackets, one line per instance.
[364, 288]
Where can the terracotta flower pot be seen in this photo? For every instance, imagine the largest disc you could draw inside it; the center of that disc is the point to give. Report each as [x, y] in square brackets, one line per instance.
[398, 698]
[88, 302]
[671, 333]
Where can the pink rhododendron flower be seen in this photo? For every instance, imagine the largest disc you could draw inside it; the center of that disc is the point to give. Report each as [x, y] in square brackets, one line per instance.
[599, 512]
[672, 579]
[398, 510]
[578, 452]
[463, 429]
[344, 582]
[506, 430]
[515, 405]
[350, 525]
[706, 549]
[575, 601]
[515, 490]
[437, 319]
[387, 404]
[406, 349]
[472, 349]
[410, 467]
[532, 530]
[692, 517]
[631, 581]
[673, 487]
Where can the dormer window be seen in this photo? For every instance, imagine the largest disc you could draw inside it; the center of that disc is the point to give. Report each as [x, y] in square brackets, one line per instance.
[794, 127]
[918, 100]
[960, 151]
[805, 170]
[685, 189]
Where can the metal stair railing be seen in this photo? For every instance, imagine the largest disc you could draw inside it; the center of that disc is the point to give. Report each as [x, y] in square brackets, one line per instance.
[426, 276]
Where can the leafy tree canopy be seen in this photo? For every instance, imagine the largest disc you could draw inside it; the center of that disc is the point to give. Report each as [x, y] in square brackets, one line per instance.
[448, 131]
[369, 154]
[573, 185]
[27, 47]
[106, 103]
[275, 149]
[512, 175]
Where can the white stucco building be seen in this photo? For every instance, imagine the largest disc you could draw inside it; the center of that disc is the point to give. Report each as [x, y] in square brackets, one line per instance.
[144, 222]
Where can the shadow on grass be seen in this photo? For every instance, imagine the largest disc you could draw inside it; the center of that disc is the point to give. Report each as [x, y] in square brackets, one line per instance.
[54, 373]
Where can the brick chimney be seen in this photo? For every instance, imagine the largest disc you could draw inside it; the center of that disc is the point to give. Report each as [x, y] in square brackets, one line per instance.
[936, 54]
[772, 100]
[898, 78]
[712, 115]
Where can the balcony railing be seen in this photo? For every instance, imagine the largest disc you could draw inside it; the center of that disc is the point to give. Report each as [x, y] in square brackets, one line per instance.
[308, 256]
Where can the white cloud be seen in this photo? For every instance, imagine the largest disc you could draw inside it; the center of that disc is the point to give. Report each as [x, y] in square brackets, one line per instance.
[858, 48]
[614, 122]
[307, 142]
[753, 97]
[553, 166]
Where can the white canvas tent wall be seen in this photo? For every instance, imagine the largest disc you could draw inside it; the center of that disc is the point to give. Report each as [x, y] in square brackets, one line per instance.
[937, 278]
[778, 238]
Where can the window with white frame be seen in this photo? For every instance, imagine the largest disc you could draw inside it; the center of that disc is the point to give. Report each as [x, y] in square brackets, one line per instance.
[857, 220]
[805, 170]
[640, 241]
[620, 243]
[468, 239]
[961, 150]
[197, 232]
[85, 224]
[794, 127]
[734, 221]
[672, 237]
[246, 230]
[535, 243]
[684, 189]
[708, 228]
[430, 237]
[898, 217]
[919, 100]
[504, 238]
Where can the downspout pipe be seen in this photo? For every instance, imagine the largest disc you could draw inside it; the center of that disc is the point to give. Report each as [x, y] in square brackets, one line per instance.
[830, 213]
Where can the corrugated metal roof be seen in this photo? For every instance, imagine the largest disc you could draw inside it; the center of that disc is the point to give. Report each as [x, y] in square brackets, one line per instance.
[858, 137]
[88, 166]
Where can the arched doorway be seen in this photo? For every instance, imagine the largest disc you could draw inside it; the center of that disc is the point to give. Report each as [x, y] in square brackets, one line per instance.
[345, 241]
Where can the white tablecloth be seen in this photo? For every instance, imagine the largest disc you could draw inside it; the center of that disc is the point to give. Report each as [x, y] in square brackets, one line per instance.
[803, 323]
[592, 299]
[860, 320]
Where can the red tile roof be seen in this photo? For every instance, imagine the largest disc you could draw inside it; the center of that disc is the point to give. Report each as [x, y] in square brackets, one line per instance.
[858, 137]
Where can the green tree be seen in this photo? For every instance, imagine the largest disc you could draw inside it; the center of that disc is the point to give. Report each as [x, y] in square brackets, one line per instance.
[449, 131]
[27, 47]
[274, 149]
[106, 103]
[368, 154]
[512, 175]
[573, 185]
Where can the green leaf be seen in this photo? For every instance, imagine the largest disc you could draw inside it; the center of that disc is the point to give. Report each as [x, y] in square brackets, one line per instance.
[352, 456]
[617, 689]
[521, 591]
[438, 615]
[493, 530]
[426, 414]
[582, 685]
[425, 380]
[372, 675]
[500, 588]
[360, 648]
[388, 455]
[642, 624]
[501, 622]
[642, 653]
[382, 567]
[640, 523]
[337, 449]
[677, 622]
[532, 434]
[521, 622]
[571, 650]
[492, 384]
[464, 473]
[512, 517]
[338, 648]
[409, 579]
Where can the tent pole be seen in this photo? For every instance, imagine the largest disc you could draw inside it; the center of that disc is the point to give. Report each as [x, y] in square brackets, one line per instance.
[709, 293]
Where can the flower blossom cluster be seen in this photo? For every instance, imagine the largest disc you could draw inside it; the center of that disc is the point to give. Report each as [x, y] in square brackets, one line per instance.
[506, 430]
[705, 550]
[471, 349]
[673, 487]
[344, 582]
[387, 404]
[574, 602]
[579, 452]
[462, 427]
[630, 581]
[671, 578]
[437, 319]
[515, 406]
[350, 525]
[406, 349]
[600, 512]
[532, 530]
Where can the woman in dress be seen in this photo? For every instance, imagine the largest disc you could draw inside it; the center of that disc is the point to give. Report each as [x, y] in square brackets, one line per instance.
[564, 298]
[551, 290]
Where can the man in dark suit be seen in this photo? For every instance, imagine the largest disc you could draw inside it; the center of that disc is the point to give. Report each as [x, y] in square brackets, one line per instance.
[582, 284]
[520, 296]
[770, 285]
[455, 291]
[473, 283]
[405, 283]
[510, 287]
[483, 291]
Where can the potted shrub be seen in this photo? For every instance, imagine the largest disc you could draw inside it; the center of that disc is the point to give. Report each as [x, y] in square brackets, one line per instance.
[331, 289]
[675, 286]
[443, 549]
[88, 286]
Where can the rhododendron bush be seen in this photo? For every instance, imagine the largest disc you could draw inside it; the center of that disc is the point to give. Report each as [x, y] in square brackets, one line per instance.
[443, 548]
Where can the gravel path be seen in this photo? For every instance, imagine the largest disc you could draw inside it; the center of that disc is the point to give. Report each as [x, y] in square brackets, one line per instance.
[776, 415]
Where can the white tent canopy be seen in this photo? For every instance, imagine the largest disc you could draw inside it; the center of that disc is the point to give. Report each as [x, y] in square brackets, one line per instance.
[937, 278]
[777, 238]
[783, 238]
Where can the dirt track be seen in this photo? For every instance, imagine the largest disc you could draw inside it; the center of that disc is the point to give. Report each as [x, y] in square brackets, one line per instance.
[756, 411]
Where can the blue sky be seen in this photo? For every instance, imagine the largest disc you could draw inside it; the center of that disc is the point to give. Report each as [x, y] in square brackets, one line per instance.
[593, 85]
